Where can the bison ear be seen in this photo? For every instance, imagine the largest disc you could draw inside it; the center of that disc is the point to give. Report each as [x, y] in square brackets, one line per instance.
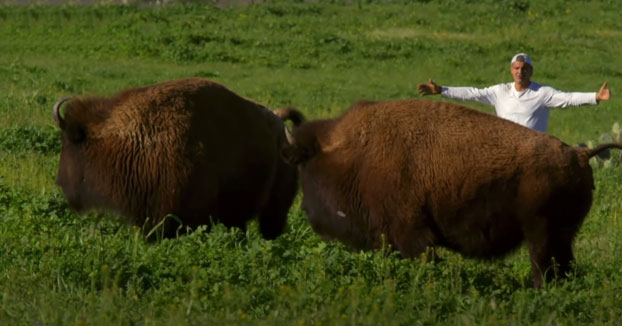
[294, 154]
[290, 154]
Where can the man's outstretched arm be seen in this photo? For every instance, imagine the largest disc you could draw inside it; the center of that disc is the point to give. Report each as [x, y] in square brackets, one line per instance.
[431, 88]
[604, 94]
[559, 99]
[486, 96]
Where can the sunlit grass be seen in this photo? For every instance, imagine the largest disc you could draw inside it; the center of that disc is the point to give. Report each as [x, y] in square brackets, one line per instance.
[59, 268]
[28, 171]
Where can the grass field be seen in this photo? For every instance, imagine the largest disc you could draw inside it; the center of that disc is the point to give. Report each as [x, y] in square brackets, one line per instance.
[59, 268]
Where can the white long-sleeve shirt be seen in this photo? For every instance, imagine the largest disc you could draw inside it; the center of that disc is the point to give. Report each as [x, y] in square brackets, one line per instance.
[529, 108]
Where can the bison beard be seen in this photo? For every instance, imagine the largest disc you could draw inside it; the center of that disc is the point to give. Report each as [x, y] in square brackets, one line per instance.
[189, 148]
[427, 174]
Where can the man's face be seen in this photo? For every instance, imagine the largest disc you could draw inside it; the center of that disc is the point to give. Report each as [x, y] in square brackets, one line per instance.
[521, 72]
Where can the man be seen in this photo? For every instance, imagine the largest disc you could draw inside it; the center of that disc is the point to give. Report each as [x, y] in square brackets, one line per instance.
[523, 101]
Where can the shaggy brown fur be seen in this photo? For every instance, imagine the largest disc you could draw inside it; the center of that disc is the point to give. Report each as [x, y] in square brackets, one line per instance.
[190, 148]
[427, 174]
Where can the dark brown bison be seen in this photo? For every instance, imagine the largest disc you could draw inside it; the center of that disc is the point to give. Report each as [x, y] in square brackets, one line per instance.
[190, 148]
[427, 174]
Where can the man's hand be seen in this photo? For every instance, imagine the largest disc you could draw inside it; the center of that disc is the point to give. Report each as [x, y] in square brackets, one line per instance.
[431, 88]
[603, 93]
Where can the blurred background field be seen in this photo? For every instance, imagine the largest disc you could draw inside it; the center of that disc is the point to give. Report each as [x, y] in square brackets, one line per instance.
[58, 268]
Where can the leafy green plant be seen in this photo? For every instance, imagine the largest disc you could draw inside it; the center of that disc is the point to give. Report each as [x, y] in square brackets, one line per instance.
[609, 158]
[30, 138]
[60, 268]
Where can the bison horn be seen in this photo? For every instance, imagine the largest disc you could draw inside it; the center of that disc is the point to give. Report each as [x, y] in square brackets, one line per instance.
[55, 112]
[290, 137]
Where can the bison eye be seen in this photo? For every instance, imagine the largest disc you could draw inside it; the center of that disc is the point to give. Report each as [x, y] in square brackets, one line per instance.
[296, 154]
[76, 135]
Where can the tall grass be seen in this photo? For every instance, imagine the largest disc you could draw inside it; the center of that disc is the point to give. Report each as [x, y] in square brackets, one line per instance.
[59, 268]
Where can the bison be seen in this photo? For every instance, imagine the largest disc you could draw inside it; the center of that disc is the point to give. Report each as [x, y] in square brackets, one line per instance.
[420, 174]
[189, 148]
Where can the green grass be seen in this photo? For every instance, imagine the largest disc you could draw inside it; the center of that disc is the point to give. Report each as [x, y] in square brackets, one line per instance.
[59, 268]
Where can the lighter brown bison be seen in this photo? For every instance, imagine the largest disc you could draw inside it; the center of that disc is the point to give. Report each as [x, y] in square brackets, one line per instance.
[427, 174]
[190, 148]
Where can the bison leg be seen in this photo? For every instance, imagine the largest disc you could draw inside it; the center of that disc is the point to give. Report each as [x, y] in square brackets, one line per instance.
[272, 220]
[562, 250]
[551, 255]
[418, 243]
[233, 213]
[540, 263]
[273, 216]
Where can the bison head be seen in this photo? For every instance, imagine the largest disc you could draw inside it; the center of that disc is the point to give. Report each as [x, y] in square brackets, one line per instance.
[302, 142]
[75, 175]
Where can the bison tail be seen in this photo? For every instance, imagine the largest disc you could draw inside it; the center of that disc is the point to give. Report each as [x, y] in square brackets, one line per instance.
[594, 151]
[291, 114]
